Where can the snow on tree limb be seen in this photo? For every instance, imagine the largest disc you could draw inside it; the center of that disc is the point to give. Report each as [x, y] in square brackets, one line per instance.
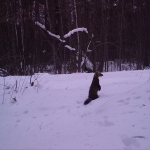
[88, 50]
[50, 33]
[70, 48]
[75, 30]
[40, 25]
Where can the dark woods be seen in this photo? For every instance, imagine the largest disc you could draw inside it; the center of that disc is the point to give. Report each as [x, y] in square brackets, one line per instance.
[32, 35]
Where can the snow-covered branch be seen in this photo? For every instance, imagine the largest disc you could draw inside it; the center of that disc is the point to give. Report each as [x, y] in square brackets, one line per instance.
[88, 50]
[75, 30]
[50, 33]
[70, 48]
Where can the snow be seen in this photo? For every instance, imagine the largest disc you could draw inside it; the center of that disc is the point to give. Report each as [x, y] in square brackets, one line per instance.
[40, 25]
[58, 36]
[70, 48]
[88, 50]
[75, 30]
[88, 64]
[51, 114]
[50, 33]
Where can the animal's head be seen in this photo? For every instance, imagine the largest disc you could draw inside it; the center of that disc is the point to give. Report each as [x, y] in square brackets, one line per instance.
[98, 74]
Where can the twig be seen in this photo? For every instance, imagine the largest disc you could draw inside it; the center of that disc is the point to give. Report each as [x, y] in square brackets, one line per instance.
[19, 83]
[36, 78]
[40, 126]
[44, 82]
[23, 83]
[141, 74]
[12, 91]
[16, 86]
[24, 90]
[30, 79]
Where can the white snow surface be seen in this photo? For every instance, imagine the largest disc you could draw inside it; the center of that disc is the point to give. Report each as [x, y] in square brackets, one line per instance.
[51, 114]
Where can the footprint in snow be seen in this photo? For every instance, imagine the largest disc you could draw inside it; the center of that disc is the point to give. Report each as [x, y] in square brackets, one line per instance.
[106, 124]
[128, 98]
[26, 112]
[85, 114]
[106, 117]
[78, 107]
[62, 107]
[79, 102]
[99, 111]
[18, 120]
[137, 97]
[127, 141]
[147, 91]
[131, 112]
[122, 102]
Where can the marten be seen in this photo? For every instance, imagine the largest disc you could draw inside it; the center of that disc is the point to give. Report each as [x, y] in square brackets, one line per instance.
[95, 86]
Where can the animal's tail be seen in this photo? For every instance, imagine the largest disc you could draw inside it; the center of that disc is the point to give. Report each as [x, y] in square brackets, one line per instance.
[87, 101]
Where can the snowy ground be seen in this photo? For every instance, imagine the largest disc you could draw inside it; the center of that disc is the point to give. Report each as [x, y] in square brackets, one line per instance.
[51, 114]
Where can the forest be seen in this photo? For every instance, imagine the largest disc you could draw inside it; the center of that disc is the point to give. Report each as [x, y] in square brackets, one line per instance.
[69, 36]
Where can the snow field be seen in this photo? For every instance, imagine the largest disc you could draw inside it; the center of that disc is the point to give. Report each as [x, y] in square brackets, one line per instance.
[51, 114]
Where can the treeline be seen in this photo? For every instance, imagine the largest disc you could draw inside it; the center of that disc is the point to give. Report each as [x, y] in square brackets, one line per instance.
[65, 36]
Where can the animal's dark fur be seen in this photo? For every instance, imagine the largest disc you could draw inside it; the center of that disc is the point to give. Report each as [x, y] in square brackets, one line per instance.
[95, 86]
